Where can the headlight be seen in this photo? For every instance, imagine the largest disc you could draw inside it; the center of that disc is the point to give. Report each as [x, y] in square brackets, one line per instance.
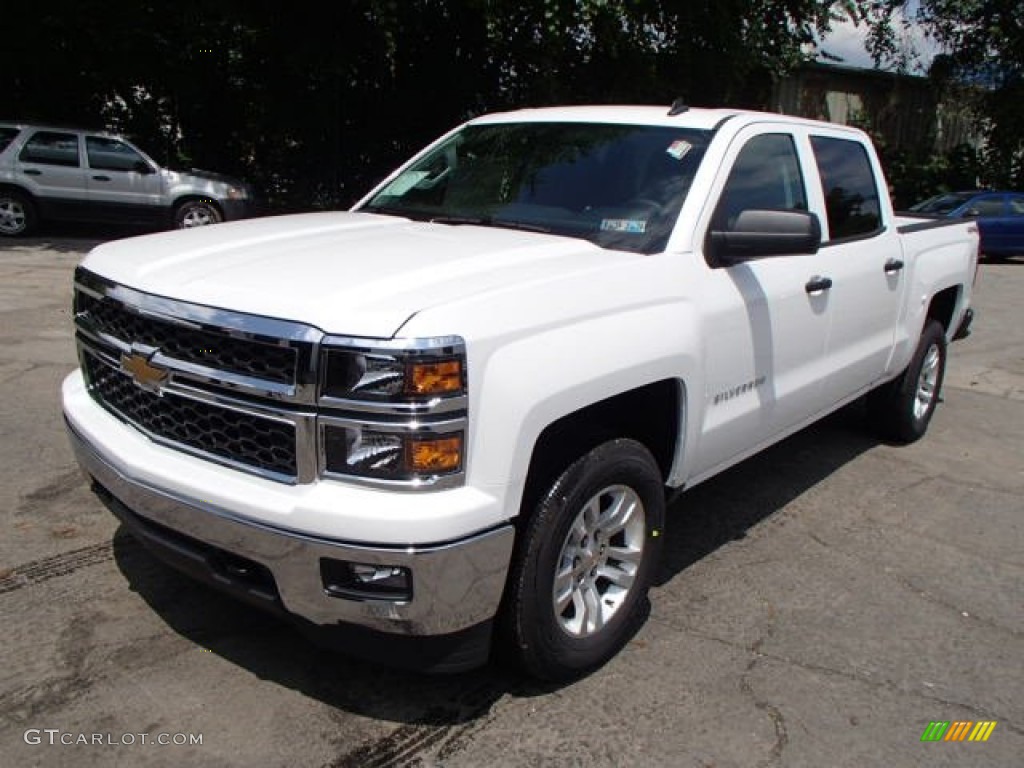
[359, 450]
[401, 376]
[394, 412]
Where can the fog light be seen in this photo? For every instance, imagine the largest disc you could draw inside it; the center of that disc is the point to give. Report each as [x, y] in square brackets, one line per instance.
[366, 581]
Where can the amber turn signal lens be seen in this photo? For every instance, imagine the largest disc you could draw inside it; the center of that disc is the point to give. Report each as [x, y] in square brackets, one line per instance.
[435, 378]
[436, 455]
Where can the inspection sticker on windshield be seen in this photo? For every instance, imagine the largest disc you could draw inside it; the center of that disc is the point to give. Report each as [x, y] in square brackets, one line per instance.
[679, 148]
[632, 226]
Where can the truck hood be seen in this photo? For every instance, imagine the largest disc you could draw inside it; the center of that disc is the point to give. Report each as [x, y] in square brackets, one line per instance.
[346, 273]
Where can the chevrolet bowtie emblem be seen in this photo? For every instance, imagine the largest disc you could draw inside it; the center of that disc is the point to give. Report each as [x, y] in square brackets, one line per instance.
[145, 375]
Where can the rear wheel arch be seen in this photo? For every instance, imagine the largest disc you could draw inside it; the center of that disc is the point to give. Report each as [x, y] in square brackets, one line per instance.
[942, 307]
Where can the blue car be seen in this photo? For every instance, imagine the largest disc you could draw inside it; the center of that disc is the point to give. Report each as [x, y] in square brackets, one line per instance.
[1000, 217]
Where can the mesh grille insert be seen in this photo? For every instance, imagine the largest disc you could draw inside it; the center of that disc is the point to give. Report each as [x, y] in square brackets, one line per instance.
[241, 437]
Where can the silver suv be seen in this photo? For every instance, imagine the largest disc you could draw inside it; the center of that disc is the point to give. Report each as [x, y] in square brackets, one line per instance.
[71, 174]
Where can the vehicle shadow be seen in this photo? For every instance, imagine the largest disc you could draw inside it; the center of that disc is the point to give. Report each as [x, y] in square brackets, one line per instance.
[439, 709]
[728, 505]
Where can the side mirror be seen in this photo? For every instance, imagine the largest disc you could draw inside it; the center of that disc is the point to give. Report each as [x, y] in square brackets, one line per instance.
[141, 166]
[757, 234]
[972, 213]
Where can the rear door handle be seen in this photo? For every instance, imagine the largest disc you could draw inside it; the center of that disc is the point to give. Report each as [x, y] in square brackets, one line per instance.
[101, 178]
[817, 284]
[32, 172]
[892, 266]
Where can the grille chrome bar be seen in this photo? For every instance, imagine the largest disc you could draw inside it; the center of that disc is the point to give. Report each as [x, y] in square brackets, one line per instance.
[260, 356]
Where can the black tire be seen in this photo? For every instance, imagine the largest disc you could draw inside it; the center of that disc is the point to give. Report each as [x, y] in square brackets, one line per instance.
[562, 643]
[17, 213]
[902, 409]
[196, 213]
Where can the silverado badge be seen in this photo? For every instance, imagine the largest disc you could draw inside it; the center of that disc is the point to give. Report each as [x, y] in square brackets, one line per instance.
[144, 374]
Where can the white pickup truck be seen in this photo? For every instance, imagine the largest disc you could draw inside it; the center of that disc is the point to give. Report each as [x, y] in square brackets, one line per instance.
[450, 417]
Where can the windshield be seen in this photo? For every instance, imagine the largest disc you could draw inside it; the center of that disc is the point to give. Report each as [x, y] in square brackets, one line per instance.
[619, 186]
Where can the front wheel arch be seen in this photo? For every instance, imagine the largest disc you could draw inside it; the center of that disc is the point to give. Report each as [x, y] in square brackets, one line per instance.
[606, 510]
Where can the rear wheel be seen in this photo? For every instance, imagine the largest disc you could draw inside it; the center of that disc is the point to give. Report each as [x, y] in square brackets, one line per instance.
[902, 409]
[585, 562]
[196, 213]
[17, 214]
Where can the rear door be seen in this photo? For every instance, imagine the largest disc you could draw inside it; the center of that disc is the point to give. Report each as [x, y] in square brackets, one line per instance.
[123, 184]
[49, 165]
[862, 257]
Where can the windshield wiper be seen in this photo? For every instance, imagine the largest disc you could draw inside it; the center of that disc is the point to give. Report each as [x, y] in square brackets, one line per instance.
[489, 221]
[455, 220]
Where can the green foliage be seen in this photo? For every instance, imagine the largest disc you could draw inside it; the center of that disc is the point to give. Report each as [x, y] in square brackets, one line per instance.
[314, 102]
[983, 69]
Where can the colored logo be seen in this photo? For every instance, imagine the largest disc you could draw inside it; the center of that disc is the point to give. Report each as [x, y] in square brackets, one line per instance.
[145, 375]
[958, 730]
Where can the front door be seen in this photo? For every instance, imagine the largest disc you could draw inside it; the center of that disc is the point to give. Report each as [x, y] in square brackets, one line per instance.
[767, 323]
[122, 183]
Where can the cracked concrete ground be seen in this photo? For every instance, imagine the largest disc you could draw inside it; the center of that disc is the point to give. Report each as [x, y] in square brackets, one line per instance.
[818, 605]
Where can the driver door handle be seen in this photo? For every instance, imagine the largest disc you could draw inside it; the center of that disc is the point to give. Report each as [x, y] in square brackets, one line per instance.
[818, 284]
[101, 178]
[892, 266]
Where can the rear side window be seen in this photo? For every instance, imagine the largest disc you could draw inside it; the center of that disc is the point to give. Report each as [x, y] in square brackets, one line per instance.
[6, 136]
[51, 148]
[850, 187]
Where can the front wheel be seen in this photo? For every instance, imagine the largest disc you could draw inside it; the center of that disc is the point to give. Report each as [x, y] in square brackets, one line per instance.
[902, 409]
[196, 213]
[586, 561]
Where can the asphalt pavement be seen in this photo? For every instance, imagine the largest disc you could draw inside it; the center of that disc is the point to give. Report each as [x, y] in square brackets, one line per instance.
[819, 605]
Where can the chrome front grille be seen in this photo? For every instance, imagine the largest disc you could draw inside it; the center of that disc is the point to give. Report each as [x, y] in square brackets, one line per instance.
[256, 393]
[234, 388]
[234, 436]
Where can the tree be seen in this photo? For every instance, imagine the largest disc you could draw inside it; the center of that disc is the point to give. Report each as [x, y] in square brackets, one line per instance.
[984, 67]
[316, 102]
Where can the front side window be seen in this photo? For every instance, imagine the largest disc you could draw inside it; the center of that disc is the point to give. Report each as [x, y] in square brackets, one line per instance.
[112, 155]
[1016, 205]
[765, 177]
[51, 148]
[851, 191]
[618, 186]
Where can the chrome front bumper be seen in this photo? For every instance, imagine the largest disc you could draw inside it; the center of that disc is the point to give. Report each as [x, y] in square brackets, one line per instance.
[455, 585]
